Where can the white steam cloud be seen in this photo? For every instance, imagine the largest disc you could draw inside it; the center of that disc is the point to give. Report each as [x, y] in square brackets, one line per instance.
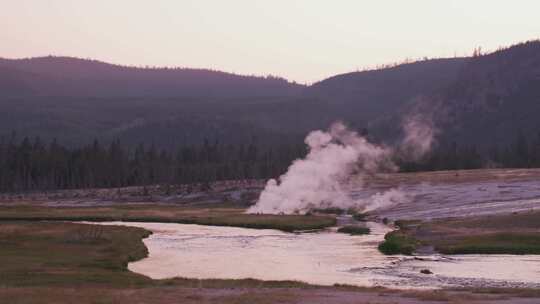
[419, 137]
[318, 180]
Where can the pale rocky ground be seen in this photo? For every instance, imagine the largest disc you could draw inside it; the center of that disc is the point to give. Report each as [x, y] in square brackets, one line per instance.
[430, 194]
[241, 191]
[459, 193]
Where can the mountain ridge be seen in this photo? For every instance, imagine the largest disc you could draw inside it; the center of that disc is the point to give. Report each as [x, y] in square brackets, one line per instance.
[72, 76]
[468, 98]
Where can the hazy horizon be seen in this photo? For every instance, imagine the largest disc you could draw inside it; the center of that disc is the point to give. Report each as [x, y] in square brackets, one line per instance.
[302, 41]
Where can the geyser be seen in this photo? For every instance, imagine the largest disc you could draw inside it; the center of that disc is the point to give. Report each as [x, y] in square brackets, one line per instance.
[318, 180]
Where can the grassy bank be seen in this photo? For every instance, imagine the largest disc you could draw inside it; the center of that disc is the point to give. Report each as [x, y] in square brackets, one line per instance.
[71, 254]
[517, 233]
[234, 217]
[397, 242]
[52, 262]
[493, 243]
[400, 241]
[60, 254]
[51, 254]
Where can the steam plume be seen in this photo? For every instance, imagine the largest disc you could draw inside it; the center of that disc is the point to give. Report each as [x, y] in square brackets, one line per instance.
[318, 180]
[419, 137]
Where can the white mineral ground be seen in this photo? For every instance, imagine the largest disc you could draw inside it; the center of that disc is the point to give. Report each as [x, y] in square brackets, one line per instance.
[458, 194]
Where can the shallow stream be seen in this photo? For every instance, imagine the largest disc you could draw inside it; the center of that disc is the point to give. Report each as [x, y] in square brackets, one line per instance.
[324, 258]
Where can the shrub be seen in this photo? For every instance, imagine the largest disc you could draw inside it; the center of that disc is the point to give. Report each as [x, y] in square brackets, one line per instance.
[361, 217]
[329, 210]
[354, 230]
[396, 242]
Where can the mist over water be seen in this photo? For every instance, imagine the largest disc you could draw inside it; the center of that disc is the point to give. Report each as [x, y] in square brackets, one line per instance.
[335, 156]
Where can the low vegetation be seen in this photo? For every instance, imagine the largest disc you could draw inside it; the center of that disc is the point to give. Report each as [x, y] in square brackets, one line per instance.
[71, 254]
[400, 241]
[329, 210]
[361, 217]
[59, 254]
[518, 292]
[53, 262]
[354, 230]
[495, 243]
[397, 242]
[234, 217]
[517, 233]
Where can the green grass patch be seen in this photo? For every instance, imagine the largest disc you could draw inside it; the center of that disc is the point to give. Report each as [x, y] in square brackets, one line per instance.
[57, 254]
[496, 243]
[517, 233]
[329, 210]
[397, 242]
[230, 283]
[354, 230]
[233, 217]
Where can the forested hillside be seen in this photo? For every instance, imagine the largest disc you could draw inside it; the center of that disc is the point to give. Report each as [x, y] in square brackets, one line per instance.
[485, 109]
[77, 101]
[494, 99]
[374, 94]
[120, 107]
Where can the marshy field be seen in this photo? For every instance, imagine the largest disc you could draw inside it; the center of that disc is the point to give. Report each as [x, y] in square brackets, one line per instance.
[208, 250]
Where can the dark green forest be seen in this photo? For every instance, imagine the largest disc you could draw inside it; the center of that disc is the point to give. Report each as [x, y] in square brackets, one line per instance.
[33, 165]
[91, 124]
[521, 153]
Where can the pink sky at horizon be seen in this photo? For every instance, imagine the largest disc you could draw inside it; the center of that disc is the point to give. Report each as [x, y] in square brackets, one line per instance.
[301, 40]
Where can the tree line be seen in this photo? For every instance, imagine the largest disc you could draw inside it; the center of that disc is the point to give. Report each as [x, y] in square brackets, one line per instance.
[32, 165]
[523, 152]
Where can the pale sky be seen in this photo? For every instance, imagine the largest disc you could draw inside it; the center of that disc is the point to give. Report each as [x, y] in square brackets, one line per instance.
[301, 40]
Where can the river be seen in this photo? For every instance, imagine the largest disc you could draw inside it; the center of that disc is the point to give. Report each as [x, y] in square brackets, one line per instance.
[322, 258]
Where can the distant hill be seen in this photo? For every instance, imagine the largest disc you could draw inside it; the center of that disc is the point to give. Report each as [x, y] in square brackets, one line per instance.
[482, 100]
[494, 98]
[368, 95]
[74, 77]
